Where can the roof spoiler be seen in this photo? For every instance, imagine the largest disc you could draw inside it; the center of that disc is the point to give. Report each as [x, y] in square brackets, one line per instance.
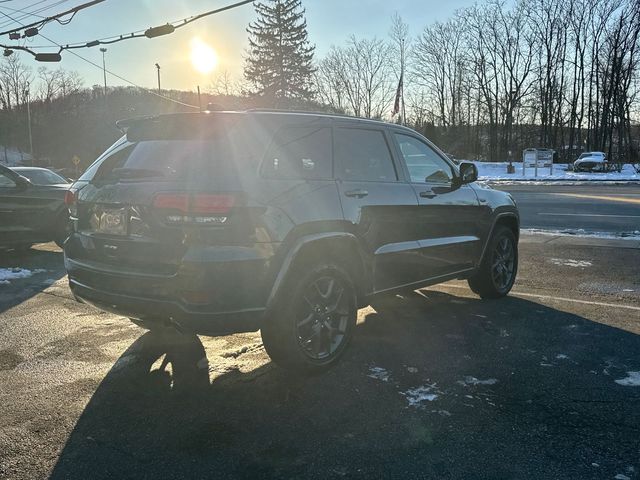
[125, 124]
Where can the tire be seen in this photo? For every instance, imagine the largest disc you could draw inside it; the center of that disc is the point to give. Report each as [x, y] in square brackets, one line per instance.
[499, 267]
[313, 321]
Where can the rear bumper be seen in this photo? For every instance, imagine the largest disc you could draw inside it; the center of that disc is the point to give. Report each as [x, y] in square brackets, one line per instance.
[154, 310]
[212, 291]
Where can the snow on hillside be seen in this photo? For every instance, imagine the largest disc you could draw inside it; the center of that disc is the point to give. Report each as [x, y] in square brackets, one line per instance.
[12, 157]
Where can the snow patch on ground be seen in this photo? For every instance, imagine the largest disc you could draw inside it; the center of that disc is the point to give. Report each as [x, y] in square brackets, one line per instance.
[9, 274]
[635, 235]
[620, 476]
[474, 381]
[632, 380]
[416, 397]
[444, 413]
[498, 171]
[562, 356]
[379, 373]
[569, 262]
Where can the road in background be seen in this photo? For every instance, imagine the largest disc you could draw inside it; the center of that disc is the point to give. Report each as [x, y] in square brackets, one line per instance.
[593, 208]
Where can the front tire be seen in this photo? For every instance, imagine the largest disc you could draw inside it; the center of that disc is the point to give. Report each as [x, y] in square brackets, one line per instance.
[314, 320]
[499, 268]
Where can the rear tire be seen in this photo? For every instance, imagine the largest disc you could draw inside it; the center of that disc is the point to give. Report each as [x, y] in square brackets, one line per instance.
[314, 320]
[499, 267]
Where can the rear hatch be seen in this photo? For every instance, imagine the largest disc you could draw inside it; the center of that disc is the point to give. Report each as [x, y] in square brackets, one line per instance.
[174, 183]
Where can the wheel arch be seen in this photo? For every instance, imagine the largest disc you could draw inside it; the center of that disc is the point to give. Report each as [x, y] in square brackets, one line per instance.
[341, 247]
[508, 219]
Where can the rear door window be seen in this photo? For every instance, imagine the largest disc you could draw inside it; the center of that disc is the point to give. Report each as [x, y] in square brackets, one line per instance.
[299, 152]
[6, 182]
[363, 155]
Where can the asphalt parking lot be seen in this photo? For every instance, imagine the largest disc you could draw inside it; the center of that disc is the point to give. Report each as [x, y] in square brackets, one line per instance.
[437, 384]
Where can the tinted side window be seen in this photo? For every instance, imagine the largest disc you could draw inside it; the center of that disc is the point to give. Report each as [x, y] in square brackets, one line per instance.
[423, 163]
[363, 155]
[91, 171]
[299, 152]
[6, 182]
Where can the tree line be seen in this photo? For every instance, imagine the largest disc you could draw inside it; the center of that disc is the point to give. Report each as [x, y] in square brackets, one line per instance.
[488, 82]
[561, 74]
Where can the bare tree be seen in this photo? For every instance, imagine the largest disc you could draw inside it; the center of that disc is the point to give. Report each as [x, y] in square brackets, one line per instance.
[357, 78]
[400, 46]
[15, 78]
[223, 84]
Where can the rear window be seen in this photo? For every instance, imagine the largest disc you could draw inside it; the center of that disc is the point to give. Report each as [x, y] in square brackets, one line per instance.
[173, 151]
[42, 177]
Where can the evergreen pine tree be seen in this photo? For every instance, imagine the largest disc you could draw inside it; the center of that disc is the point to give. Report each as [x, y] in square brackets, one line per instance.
[279, 65]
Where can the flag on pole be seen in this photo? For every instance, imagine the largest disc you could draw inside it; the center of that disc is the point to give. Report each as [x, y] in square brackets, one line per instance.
[396, 105]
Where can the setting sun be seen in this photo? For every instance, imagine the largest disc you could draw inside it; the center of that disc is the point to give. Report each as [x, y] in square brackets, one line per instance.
[203, 58]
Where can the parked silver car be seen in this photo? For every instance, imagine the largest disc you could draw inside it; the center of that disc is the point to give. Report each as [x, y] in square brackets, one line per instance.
[591, 162]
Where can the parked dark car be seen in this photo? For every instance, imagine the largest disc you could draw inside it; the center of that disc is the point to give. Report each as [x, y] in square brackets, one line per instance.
[32, 212]
[285, 222]
[42, 176]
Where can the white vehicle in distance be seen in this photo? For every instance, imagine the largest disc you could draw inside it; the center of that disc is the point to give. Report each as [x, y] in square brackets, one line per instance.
[591, 162]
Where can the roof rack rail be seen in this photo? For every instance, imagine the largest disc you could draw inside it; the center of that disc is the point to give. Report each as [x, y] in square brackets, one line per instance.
[311, 112]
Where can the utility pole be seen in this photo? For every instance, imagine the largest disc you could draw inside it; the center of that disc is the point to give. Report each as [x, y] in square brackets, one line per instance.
[158, 67]
[104, 70]
[404, 111]
[29, 123]
[199, 100]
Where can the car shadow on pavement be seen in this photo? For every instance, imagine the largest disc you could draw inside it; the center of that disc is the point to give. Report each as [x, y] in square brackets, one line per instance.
[434, 386]
[39, 269]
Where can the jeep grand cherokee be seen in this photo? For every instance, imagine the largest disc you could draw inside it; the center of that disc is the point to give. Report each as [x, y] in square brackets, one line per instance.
[226, 222]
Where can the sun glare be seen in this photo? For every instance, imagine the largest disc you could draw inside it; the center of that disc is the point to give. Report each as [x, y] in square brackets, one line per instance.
[203, 58]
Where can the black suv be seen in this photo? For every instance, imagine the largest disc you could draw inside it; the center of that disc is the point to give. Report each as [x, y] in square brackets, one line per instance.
[226, 222]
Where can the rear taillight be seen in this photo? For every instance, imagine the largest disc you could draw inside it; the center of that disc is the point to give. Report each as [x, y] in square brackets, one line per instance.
[200, 209]
[71, 201]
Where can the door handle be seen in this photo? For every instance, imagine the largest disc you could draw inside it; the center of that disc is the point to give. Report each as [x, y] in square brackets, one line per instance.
[427, 194]
[356, 193]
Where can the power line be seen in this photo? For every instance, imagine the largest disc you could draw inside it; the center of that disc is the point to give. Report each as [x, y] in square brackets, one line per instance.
[152, 32]
[17, 10]
[41, 23]
[34, 13]
[110, 72]
[149, 33]
[129, 81]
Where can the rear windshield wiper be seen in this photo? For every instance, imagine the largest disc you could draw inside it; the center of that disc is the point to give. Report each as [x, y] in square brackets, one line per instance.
[136, 173]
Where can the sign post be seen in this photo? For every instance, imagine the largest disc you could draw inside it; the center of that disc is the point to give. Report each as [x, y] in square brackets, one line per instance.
[537, 158]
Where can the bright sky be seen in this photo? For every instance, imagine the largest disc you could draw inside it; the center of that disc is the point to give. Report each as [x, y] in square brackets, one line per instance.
[220, 40]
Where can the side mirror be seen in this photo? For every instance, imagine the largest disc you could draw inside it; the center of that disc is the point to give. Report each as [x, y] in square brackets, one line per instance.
[468, 173]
